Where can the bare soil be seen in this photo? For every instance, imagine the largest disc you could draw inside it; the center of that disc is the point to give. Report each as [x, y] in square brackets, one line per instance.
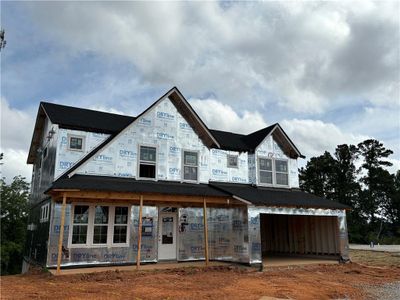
[344, 281]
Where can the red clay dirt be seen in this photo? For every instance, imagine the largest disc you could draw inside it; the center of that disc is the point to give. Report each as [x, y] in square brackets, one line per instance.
[303, 282]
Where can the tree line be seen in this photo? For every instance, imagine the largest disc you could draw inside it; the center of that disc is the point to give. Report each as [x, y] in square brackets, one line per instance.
[357, 175]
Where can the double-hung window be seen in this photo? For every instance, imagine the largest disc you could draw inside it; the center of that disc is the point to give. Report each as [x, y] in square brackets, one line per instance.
[147, 162]
[281, 172]
[265, 170]
[80, 224]
[190, 165]
[273, 171]
[100, 227]
[120, 225]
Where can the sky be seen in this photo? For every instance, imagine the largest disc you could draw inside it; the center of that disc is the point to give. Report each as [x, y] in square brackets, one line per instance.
[328, 72]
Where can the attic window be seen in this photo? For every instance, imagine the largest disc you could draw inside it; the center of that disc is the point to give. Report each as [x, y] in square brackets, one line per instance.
[75, 142]
[232, 161]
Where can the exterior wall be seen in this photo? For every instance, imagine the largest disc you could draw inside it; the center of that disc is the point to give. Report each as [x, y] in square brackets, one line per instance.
[227, 238]
[162, 127]
[66, 158]
[219, 170]
[44, 167]
[270, 148]
[227, 234]
[37, 238]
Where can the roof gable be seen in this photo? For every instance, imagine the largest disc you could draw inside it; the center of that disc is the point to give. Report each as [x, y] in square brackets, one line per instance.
[152, 116]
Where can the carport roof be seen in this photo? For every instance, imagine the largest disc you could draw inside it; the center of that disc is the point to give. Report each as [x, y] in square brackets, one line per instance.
[266, 196]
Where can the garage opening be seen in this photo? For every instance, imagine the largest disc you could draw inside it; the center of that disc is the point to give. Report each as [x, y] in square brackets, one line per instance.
[299, 237]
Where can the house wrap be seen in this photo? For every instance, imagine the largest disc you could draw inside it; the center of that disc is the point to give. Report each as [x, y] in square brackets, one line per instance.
[96, 173]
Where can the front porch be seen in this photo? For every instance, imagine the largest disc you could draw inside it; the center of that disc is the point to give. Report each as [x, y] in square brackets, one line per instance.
[143, 242]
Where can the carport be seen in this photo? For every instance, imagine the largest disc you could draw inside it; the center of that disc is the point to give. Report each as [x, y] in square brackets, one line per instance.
[299, 235]
[290, 226]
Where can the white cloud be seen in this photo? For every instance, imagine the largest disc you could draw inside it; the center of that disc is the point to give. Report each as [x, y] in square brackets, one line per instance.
[16, 133]
[221, 116]
[313, 137]
[310, 55]
[14, 164]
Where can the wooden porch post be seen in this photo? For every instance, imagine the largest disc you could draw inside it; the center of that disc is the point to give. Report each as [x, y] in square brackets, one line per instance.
[61, 234]
[140, 233]
[205, 229]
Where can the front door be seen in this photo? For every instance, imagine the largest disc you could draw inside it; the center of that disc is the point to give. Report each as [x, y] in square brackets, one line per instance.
[167, 233]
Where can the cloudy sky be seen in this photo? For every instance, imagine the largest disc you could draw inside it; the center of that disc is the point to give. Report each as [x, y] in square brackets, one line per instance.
[328, 72]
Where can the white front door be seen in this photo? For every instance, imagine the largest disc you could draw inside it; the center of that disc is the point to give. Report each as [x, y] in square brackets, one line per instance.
[167, 235]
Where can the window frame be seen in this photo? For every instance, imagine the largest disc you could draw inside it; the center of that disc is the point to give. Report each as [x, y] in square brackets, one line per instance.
[275, 171]
[274, 183]
[71, 227]
[69, 136]
[197, 166]
[149, 163]
[102, 225]
[44, 213]
[91, 225]
[237, 161]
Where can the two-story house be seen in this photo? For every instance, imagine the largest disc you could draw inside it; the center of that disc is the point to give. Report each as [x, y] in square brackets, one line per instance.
[105, 186]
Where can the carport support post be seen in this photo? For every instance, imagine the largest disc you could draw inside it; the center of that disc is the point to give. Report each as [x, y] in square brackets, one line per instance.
[205, 230]
[140, 233]
[61, 234]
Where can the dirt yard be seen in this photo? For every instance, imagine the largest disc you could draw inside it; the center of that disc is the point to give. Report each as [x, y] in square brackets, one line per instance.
[352, 280]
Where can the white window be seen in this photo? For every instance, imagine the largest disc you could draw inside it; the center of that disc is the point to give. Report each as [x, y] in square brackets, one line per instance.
[76, 142]
[265, 170]
[147, 162]
[232, 161]
[120, 231]
[44, 213]
[99, 226]
[281, 172]
[80, 224]
[273, 171]
[190, 165]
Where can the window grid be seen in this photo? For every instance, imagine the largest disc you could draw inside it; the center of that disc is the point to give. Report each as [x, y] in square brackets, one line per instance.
[190, 165]
[99, 226]
[147, 162]
[273, 171]
[80, 224]
[232, 161]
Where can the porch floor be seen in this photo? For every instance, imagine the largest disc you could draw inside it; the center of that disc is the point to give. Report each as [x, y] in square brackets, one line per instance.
[144, 267]
[282, 261]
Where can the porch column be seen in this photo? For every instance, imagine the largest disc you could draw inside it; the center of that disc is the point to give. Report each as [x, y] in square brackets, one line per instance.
[61, 234]
[205, 230]
[139, 245]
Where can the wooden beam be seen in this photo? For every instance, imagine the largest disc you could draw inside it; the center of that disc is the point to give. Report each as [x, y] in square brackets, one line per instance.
[205, 230]
[61, 234]
[139, 233]
[126, 196]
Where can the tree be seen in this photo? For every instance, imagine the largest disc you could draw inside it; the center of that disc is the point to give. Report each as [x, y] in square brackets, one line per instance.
[371, 191]
[377, 180]
[316, 177]
[13, 217]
